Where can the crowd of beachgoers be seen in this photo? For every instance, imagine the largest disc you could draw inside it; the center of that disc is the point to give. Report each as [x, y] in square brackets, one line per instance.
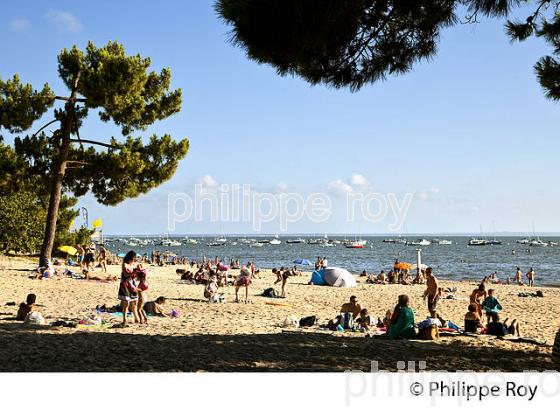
[483, 312]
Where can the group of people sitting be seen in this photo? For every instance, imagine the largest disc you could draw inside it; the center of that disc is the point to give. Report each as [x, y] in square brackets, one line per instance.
[485, 304]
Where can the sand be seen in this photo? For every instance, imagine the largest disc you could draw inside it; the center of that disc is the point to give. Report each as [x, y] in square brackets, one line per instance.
[249, 337]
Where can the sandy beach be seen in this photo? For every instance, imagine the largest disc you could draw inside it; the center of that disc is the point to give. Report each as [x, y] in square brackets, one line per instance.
[249, 337]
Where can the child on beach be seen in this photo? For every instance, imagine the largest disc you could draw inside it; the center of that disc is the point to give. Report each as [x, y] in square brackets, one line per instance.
[472, 320]
[142, 293]
[491, 305]
[365, 321]
[155, 308]
[211, 291]
[27, 307]
[243, 281]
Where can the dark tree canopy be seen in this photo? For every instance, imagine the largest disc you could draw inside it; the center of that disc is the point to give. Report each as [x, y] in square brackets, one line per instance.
[353, 43]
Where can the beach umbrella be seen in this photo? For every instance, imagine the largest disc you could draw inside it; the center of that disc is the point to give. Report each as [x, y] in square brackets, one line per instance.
[70, 250]
[403, 266]
[303, 262]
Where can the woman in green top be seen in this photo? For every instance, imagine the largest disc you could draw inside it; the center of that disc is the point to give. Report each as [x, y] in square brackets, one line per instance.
[402, 322]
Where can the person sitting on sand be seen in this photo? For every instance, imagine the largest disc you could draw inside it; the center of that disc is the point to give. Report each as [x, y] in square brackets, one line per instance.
[392, 277]
[352, 308]
[295, 271]
[211, 291]
[494, 279]
[349, 312]
[243, 280]
[478, 295]
[155, 308]
[491, 305]
[27, 307]
[496, 328]
[402, 321]
[472, 320]
[365, 321]
[531, 275]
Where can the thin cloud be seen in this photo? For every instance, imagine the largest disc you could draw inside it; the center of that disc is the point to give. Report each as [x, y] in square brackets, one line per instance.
[65, 21]
[19, 24]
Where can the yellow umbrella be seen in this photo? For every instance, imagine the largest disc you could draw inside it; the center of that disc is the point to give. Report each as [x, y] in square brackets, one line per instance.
[97, 224]
[70, 250]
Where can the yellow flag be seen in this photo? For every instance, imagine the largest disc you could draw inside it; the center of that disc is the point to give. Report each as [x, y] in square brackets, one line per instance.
[97, 224]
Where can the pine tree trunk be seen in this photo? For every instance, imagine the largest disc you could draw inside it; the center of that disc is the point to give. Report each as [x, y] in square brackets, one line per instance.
[58, 172]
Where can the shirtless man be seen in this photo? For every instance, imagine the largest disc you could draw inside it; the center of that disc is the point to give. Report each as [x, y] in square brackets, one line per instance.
[353, 307]
[432, 291]
[519, 277]
[531, 277]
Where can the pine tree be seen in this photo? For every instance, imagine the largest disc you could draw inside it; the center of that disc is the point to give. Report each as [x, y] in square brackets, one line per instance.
[125, 92]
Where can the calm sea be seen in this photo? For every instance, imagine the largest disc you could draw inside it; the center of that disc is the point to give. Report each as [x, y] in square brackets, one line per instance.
[457, 261]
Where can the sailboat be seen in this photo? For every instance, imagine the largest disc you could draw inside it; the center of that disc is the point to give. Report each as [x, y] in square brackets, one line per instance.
[537, 242]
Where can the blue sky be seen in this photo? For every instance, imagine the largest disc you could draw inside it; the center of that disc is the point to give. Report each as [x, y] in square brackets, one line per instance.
[469, 134]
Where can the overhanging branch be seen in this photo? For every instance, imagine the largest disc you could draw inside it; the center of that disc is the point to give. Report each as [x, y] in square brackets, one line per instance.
[45, 126]
[58, 97]
[82, 141]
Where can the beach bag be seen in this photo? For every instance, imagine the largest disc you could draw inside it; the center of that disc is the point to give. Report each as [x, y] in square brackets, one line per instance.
[308, 321]
[429, 333]
[34, 319]
[270, 293]
[347, 321]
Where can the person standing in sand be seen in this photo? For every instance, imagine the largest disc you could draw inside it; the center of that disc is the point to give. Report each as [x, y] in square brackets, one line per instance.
[102, 259]
[519, 276]
[243, 281]
[142, 294]
[432, 291]
[531, 275]
[128, 292]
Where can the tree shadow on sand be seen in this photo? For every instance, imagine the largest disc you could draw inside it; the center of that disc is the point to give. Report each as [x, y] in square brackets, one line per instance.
[23, 350]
